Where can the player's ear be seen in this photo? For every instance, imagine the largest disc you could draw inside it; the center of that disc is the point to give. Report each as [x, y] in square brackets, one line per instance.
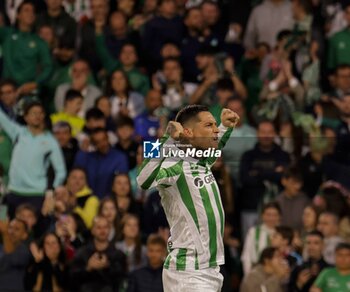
[188, 132]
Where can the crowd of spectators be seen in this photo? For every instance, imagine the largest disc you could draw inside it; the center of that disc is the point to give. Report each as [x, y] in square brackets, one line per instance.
[84, 82]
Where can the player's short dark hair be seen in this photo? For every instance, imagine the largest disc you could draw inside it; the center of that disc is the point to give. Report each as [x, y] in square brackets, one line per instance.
[189, 112]
[225, 84]
[271, 205]
[315, 233]
[286, 232]
[123, 121]
[155, 239]
[94, 114]
[342, 245]
[72, 94]
[267, 254]
[294, 173]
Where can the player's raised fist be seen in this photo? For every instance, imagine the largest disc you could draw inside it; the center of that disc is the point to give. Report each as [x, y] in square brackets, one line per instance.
[229, 118]
[174, 129]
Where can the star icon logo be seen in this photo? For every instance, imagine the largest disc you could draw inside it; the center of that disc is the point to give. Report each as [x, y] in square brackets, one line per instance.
[151, 149]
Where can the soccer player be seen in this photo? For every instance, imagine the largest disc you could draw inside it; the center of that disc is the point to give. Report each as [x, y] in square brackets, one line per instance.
[191, 200]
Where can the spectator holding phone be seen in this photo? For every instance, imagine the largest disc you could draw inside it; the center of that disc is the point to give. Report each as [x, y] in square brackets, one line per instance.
[303, 276]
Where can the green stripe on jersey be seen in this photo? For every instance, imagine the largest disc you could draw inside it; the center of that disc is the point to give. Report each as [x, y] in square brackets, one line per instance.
[217, 200]
[167, 261]
[187, 198]
[181, 259]
[152, 177]
[211, 225]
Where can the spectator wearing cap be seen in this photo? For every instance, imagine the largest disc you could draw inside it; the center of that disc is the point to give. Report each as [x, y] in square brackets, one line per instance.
[81, 80]
[339, 43]
[62, 23]
[24, 52]
[35, 149]
[73, 103]
[14, 256]
[102, 164]
[69, 145]
[266, 20]
[156, 32]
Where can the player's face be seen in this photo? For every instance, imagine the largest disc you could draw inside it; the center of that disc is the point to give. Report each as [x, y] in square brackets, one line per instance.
[205, 132]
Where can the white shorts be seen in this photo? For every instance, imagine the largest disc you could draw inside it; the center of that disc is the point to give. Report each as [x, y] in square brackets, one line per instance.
[207, 280]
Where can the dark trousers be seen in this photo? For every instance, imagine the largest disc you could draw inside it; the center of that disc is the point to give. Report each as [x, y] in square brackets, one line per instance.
[13, 201]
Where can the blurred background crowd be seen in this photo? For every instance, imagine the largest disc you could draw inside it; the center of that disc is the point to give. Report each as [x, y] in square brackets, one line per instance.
[84, 82]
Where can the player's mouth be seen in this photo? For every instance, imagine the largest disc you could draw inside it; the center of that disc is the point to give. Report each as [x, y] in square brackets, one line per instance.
[216, 138]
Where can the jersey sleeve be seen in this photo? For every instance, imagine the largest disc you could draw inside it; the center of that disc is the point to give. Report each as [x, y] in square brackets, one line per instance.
[150, 167]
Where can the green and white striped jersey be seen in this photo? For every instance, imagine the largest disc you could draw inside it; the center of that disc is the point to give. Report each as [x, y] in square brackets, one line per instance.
[191, 200]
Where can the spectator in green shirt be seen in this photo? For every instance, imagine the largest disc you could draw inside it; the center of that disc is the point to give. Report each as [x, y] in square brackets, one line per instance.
[336, 279]
[339, 44]
[24, 52]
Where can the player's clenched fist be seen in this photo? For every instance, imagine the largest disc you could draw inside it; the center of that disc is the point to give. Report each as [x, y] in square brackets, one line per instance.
[174, 129]
[229, 118]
